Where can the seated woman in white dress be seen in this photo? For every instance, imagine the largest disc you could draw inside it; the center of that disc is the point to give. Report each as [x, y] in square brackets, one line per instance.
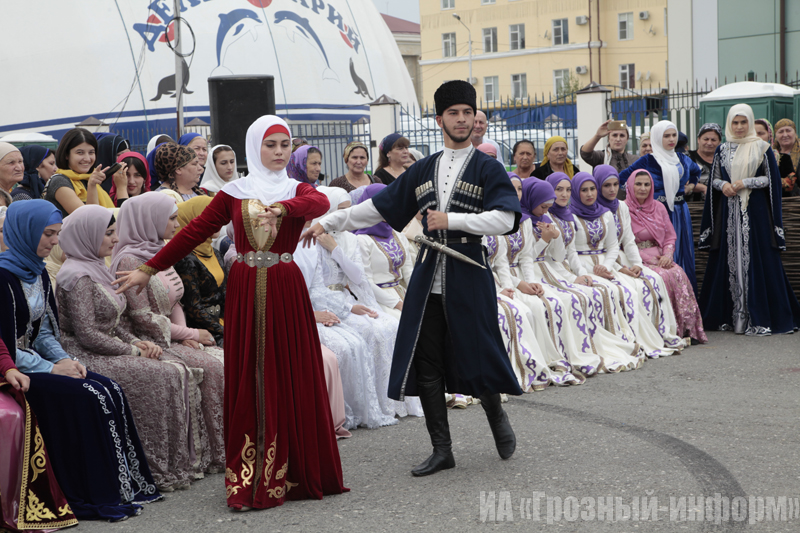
[542, 246]
[536, 338]
[343, 274]
[356, 365]
[388, 260]
[653, 298]
[598, 248]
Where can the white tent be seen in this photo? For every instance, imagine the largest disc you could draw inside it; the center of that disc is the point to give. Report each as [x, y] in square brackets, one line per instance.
[65, 61]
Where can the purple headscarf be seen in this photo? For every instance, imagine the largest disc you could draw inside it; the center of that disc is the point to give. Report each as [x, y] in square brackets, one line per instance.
[513, 176]
[297, 168]
[141, 222]
[562, 212]
[601, 174]
[535, 192]
[81, 237]
[586, 212]
[381, 230]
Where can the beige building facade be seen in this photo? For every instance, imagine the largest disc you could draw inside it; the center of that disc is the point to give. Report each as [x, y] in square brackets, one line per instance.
[522, 48]
[407, 36]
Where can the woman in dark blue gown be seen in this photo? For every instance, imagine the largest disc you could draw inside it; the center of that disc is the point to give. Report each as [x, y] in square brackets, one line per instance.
[671, 173]
[745, 288]
[84, 417]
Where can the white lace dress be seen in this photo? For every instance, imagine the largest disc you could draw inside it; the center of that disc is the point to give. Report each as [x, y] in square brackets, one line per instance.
[343, 274]
[356, 366]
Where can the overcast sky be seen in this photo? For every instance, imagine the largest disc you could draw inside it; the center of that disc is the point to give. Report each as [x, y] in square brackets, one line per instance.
[404, 9]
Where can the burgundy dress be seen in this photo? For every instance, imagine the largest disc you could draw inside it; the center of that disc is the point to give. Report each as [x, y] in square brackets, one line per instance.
[30, 498]
[279, 438]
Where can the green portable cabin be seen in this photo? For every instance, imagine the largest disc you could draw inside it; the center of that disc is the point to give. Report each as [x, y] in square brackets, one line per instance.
[771, 101]
[796, 114]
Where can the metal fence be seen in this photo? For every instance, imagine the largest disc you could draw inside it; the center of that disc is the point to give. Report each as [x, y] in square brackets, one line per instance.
[331, 138]
[509, 121]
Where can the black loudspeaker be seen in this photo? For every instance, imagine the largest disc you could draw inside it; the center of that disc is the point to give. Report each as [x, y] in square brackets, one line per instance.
[236, 102]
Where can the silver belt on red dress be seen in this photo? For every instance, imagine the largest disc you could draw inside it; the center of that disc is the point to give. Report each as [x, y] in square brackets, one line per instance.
[263, 259]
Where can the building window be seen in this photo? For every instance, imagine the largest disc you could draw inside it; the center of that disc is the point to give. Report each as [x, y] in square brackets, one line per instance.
[626, 76]
[485, 2]
[489, 40]
[560, 79]
[448, 4]
[560, 32]
[625, 26]
[517, 36]
[490, 88]
[448, 45]
[519, 86]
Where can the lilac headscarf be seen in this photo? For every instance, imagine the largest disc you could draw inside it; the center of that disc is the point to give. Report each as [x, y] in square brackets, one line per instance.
[141, 222]
[535, 192]
[562, 212]
[297, 168]
[381, 230]
[601, 174]
[81, 237]
[514, 176]
[586, 212]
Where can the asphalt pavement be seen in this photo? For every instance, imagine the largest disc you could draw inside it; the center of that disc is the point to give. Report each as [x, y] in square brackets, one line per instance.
[702, 441]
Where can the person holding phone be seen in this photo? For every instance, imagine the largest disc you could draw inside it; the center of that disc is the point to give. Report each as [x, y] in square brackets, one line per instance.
[78, 180]
[614, 154]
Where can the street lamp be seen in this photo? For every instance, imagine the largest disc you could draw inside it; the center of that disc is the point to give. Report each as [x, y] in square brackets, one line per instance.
[469, 36]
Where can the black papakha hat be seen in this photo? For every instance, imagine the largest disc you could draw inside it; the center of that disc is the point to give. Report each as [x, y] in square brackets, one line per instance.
[455, 92]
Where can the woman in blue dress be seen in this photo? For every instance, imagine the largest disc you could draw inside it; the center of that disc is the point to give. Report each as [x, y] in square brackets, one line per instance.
[671, 173]
[84, 417]
[745, 288]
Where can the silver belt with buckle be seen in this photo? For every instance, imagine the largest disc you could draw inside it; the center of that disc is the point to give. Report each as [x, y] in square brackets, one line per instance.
[263, 259]
[336, 287]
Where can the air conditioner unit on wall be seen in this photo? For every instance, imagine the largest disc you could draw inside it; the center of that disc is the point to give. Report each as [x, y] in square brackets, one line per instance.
[581, 69]
[644, 15]
[581, 20]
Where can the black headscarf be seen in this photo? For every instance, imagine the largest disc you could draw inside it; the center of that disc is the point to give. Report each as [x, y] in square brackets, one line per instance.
[33, 155]
[108, 146]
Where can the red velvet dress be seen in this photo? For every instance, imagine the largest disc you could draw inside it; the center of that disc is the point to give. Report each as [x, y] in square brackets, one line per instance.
[279, 439]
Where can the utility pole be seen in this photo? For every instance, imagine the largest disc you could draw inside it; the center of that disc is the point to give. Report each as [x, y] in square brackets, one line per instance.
[469, 37]
[178, 65]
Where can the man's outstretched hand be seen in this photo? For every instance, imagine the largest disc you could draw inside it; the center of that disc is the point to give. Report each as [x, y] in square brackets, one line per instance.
[309, 238]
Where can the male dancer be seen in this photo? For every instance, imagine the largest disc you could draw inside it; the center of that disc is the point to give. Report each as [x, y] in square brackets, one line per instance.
[449, 339]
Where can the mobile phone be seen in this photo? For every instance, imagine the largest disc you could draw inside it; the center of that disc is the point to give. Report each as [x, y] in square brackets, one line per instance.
[113, 170]
[617, 125]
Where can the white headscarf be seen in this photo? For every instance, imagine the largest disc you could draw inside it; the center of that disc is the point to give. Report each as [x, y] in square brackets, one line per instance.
[151, 144]
[212, 181]
[751, 150]
[668, 161]
[261, 183]
[336, 196]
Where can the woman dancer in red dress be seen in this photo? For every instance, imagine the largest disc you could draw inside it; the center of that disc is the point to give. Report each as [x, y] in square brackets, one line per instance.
[279, 439]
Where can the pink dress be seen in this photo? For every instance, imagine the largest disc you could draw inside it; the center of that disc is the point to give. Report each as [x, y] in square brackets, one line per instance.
[679, 288]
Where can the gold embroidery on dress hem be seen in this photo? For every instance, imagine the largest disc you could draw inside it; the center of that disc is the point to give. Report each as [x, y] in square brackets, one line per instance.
[248, 456]
[270, 461]
[231, 476]
[282, 471]
[38, 460]
[65, 510]
[36, 510]
[279, 492]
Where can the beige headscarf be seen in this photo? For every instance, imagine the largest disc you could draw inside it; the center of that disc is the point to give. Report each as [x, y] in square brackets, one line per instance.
[750, 153]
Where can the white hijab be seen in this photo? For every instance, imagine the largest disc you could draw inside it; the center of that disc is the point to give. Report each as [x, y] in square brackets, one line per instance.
[212, 181]
[750, 153]
[336, 196]
[261, 183]
[151, 144]
[668, 161]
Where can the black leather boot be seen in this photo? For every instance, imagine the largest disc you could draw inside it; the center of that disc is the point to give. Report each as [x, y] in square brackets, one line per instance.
[431, 396]
[504, 437]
